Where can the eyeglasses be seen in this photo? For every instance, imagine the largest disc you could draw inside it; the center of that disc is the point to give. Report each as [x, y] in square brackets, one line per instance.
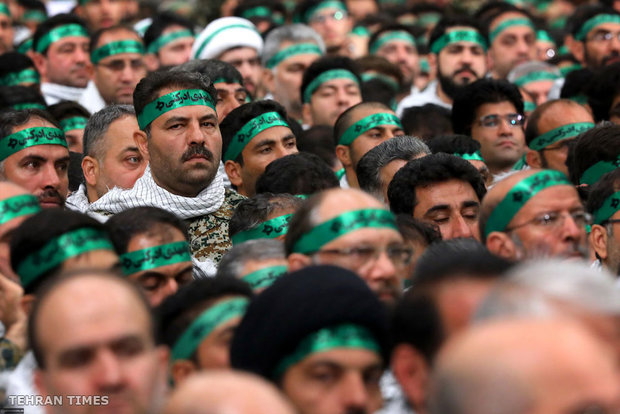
[399, 255]
[335, 15]
[554, 220]
[604, 37]
[493, 120]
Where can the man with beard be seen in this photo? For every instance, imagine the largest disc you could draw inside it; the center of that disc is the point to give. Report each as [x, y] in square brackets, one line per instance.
[34, 155]
[597, 37]
[604, 205]
[459, 51]
[6, 29]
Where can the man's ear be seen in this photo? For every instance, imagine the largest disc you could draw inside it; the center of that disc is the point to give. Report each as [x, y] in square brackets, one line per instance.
[576, 48]
[343, 153]
[141, 141]
[502, 245]
[268, 80]
[598, 241]
[90, 168]
[181, 369]
[306, 114]
[412, 373]
[297, 261]
[233, 171]
[40, 63]
[533, 158]
[151, 62]
[27, 302]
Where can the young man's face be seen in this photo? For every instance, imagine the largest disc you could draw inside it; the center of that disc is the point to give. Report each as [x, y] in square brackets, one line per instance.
[176, 52]
[330, 100]
[67, 62]
[602, 45]
[514, 45]
[247, 62]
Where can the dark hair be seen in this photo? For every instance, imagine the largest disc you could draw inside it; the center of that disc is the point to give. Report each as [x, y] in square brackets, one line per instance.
[13, 62]
[600, 143]
[558, 59]
[15, 95]
[380, 65]
[299, 14]
[345, 120]
[602, 90]
[94, 39]
[161, 22]
[67, 109]
[75, 172]
[379, 90]
[453, 144]
[58, 20]
[576, 83]
[451, 21]
[415, 230]
[427, 121]
[212, 68]
[493, 11]
[328, 63]
[319, 140]
[586, 13]
[276, 8]
[393, 27]
[429, 170]
[254, 210]
[608, 184]
[12, 119]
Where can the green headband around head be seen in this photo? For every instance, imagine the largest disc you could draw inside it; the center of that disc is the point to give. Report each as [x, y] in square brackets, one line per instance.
[154, 257]
[269, 229]
[76, 122]
[510, 23]
[264, 277]
[519, 195]
[4, 9]
[327, 76]
[173, 100]
[30, 137]
[34, 16]
[21, 205]
[425, 67]
[25, 46]
[596, 171]
[251, 129]
[543, 36]
[458, 36]
[342, 224]
[29, 105]
[163, 40]
[208, 39]
[116, 48]
[341, 336]
[428, 18]
[260, 11]
[60, 32]
[227, 80]
[474, 156]
[360, 31]
[332, 4]
[535, 77]
[568, 69]
[59, 249]
[608, 209]
[529, 106]
[206, 323]
[389, 36]
[367, 123]
[387, 79]
[595, 21]
[294, 50]
[20, 78]
[559, 134]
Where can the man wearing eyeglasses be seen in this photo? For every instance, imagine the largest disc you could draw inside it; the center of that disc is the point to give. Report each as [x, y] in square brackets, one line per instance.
[604, 205]
[597, 37]
[330, 19]
[534, 213]
[491, 112]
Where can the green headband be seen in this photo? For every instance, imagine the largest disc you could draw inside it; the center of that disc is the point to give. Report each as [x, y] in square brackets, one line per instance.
[559, 134]
[30, 137]
[509, 23]
[251, 129]
[595, 21]
[154, 257]
[264, 277]
[322, 6]
[116, 48]
[608, 209]
[269, 229]
[341, 336]
[367, 123]
[529, 106]
[474, 156]
[543, 36]
[163, 40]
[519, 195]
[360, 31]
[225, 80]
[294, 50]
[260, 11]
[425, 67]
[206, 323]
[535, 77]
[428, 18]
[25, 46]
[60, 32]
[387, 79]
[343, 224]
[21, 205]
[76, 122]
[173, 100]
[568, 69]
[34, 16]
[206, 41]
[327, 76]
[596, 171]
[29, 105]
[458, 36]
[390, 36]
[4, 9]
[59, 249]
[21, 77]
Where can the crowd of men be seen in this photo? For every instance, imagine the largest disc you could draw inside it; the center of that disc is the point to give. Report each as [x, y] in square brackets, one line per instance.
[311, 206]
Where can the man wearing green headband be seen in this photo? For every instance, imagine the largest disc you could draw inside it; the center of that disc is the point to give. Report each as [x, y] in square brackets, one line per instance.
[596, 33]
[397, 44]
[72, 118]
[101, 14]
[595, 153]
[604, 205]
[331, 20]
[6, 29]
[536, 78]
[534, 213]
[168, 41]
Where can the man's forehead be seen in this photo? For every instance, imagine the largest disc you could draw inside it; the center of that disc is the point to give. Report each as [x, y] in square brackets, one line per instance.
[228, 87]
[117, 35]
[509, 16]
[361, 113]
[33, 122]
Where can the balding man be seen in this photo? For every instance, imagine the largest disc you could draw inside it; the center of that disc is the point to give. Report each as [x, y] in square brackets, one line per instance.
[534, 213]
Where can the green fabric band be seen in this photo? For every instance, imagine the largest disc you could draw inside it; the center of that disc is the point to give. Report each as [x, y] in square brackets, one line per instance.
[528, 106]
[608, 209]
[428, 18]
[387, 79]
[425, 67]
[342, 224]
[162, 41]
[18, 206]
[341, 336]
[389, 36]
[34, 16]
[475, 156]
[535, 77]
[30, 137]
[294, 50]
[116, 48]
[76, 122]
[340, 173]
[25, 46]
[250, 130]
[59, 249]
[29, 105]
[568, 69]
[327, 76]
[367, 123]
[4, 9]
[360, 31]
[269, 229]
[519, 195]
[595, 21]
[458, 36]
[322, 6]
[206, 41]
[60, 32]
[543, 36]
[596, 171]
[260, 11]
[224, 80]
[559, 134]
[580, 99]
[206, 323]
[154, 257]
[265, 277]
[21, 77]
[510, 23]
[173, 100]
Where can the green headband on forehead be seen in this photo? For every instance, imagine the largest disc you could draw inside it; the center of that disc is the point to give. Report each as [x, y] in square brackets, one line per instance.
[510, 23]
[535, 77]
[269, 229]
[519, 195]
[154, 257]
[30, 137]
[21, 77]
[34, 16]
[4, 9]
[59, 249]
[474, 156]
[264, 277]
[250, 130]
[327, 76]
[387, 79]
[568, 69]
[260, 11]
[57, 33]
[458, 36]
[29, 105]
[163, 40]
[360, 31]
[428, 18]
[559, 134]
[367, 123]
[18, 206]
[206, 323]
[529, 106]
[322, 6]
[294, 50]
[173, 100]
[608, 209]
[342, 224]
[25, 46]
[596, 171]
[116, 48]
[76, 122]
[595, 21]
[341, 336]
[543, 36]
[389, 36]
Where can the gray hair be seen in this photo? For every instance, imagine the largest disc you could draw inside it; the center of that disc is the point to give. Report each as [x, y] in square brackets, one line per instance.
[295, 33]
[369, 166]
[98, 125]
[530, 67]
[235, 259]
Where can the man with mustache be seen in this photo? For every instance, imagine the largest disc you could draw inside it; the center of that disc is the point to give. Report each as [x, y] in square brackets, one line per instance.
[597, 37]
[34, 155]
